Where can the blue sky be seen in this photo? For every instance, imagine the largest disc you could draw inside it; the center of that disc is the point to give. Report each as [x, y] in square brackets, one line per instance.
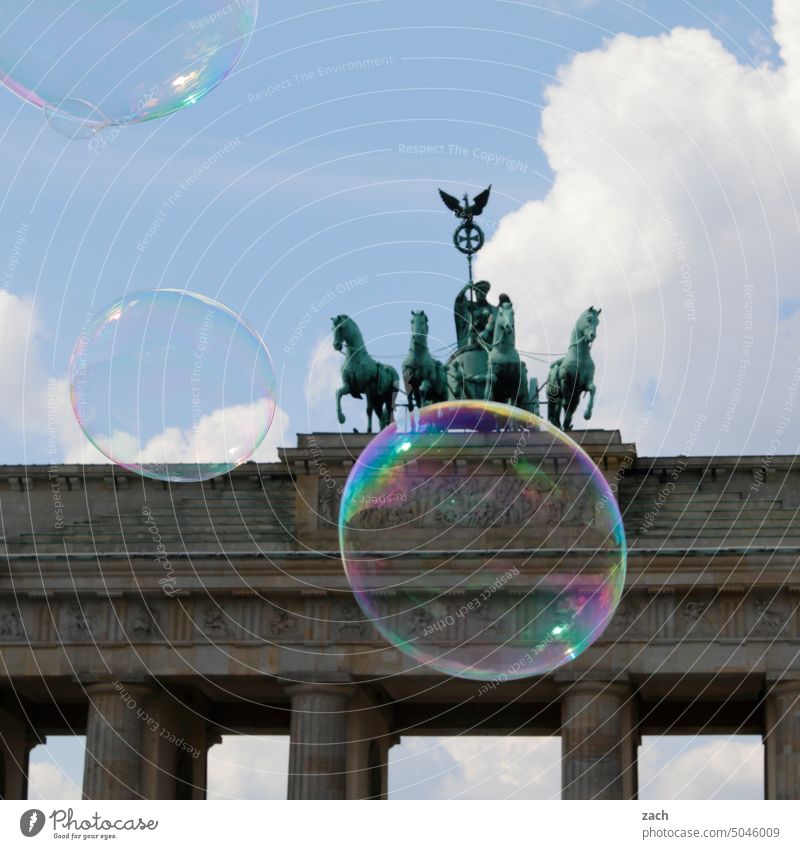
[319, 178]
[325, 174]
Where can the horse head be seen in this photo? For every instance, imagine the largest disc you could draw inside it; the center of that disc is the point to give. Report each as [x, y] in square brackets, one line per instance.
[419, 323]
[339, 336]
[504, 320]
[586, 328]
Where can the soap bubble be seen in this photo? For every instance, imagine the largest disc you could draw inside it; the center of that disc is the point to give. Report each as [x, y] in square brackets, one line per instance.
[75, 119]
[172, 385]
[482, 542]
[91, 64]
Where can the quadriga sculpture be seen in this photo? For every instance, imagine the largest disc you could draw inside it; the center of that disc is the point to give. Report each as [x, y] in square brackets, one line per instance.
[363, 376]
[573, 374]
[424, 377]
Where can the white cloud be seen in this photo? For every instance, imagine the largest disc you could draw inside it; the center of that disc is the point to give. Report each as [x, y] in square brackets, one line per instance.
[47, 781]
[701, 768]
[256, 767]
[277, 436]
[39, 406]
[324, 375]
[479, 767]
[248, 768]
[675, 189]
[56, 769]
[475, 768]
[211, 440]
[36, 403]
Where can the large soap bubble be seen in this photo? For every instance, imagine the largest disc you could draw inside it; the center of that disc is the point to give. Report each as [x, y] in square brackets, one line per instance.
[482, 541]
[172, 385]
[93, 63]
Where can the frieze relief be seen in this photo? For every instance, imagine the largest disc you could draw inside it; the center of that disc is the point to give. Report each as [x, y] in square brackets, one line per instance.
[347, 621]
[285, 626]
[11, 626]
[477, 501]
[81, 621]
[769, 618]
[449, 619]
[701, 619]
[141, 623]
[627, 621]
[328, 500]
[213, 622]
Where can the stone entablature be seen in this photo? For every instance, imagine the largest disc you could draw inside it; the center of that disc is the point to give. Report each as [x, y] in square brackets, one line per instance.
[229, 592]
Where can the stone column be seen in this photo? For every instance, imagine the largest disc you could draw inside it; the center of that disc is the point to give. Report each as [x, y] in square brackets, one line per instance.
[598, 741]
[15, 746]
[32, 740]
[318, 747]
[782, 740]
[115, 731]
[177, 737]
[370, 736]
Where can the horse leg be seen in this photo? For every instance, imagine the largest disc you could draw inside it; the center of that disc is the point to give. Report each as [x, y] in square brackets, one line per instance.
[412, 390]
[441, 383]
[488, 394]
[391, 403]
[342, 390]
[370, 409]
[382, 410]
[570, 397]
[424, 393]
[553, 403]
[522, 387]
[591, 389]
[533, 396]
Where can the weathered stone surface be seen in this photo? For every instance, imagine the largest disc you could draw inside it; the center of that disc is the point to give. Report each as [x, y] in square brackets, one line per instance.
[115, 741]
[247, 591]
[318, 751]
[598, 741]
[782, 739]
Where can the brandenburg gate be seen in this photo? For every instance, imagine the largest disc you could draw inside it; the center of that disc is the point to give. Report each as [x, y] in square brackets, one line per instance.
[155, 618]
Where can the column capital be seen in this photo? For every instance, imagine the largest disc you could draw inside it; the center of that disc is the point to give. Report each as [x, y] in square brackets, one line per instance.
[572, 683]
[33, 738]
[102, 688]
[334, 690]
[782, 684]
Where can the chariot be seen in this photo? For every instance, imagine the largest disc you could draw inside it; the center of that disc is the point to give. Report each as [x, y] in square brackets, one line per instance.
[485, 364]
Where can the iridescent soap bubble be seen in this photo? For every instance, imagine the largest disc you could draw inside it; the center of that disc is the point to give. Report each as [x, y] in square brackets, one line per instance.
[482, 541]
[91, 63]
[172, 385]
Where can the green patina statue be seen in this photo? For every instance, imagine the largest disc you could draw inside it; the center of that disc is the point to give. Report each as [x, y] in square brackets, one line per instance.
[507, 375]
[485, 365]
[573, 374]
[473, 316]
[361, 375]
[425, 378]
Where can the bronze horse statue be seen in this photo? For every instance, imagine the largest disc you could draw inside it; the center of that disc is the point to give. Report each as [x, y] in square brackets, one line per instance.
[573, 374]
[361, 374]
[425, 378]
[507, 375]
